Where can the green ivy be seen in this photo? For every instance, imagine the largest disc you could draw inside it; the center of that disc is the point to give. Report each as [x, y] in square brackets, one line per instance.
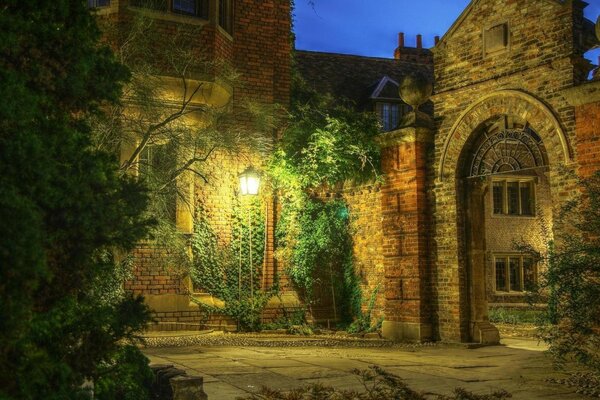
[327, 144]
[225, 271]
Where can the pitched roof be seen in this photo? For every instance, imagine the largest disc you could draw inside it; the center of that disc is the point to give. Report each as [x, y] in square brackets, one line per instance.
[352, 77]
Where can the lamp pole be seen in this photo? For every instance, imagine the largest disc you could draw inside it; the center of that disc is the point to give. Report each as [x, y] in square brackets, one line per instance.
[249, 185]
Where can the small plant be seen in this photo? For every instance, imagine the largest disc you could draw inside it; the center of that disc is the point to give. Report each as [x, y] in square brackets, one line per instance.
[378, 385]
[364, 323]
[227, 271]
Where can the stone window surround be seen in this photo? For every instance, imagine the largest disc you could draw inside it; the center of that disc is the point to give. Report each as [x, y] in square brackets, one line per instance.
[513, 178]
[496, 53]
[213, 16]
[506, 256]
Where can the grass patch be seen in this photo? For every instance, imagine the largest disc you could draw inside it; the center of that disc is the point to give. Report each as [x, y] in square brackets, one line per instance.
[514, 316]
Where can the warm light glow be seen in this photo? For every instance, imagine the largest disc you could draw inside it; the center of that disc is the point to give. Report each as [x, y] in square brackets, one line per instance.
[249, 182]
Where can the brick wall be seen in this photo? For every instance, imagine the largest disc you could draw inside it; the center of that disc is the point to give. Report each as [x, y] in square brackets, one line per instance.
[364, 205]
[588, 138]
[151, 274]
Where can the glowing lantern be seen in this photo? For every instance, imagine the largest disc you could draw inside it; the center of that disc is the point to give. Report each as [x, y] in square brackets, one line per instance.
[249, 181]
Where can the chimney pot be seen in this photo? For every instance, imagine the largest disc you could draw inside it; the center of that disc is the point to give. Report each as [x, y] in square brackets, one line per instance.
[437, 40]
[419, 41]
[401, 39]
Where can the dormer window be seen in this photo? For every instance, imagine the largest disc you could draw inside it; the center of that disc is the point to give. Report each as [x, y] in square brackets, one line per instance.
[388, 115]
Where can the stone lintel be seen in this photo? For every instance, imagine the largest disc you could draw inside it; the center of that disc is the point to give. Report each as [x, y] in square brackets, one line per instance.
[586, 93]
[406, 331]
[405, 135]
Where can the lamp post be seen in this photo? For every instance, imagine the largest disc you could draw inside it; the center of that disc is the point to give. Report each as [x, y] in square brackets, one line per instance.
[249, 185]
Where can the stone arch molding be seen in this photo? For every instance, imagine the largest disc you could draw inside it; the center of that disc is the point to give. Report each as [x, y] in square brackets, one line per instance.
[510, 102]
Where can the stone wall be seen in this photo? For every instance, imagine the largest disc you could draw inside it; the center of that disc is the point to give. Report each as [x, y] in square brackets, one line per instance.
[524, 79]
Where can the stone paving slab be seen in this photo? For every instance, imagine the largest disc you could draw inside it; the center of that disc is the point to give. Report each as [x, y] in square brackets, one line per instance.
[519, 367]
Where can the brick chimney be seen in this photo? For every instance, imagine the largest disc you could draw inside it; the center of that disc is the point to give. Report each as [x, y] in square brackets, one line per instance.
[398, 50]
[436, 40]
[419, 41]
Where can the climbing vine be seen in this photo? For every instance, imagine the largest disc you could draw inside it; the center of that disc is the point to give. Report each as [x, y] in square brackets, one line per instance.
[232, 272]
[327, 144]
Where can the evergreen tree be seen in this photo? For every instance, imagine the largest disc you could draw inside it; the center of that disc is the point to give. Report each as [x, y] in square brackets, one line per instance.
[63, 209]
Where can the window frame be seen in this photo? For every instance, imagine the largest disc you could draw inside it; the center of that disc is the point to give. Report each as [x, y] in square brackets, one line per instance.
[402, 108]
[94, 4]
[506, 257]
[505, 180]
[202, 9]
[169, 10]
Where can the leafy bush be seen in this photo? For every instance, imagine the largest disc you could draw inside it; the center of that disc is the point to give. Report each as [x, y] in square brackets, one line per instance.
[573, 280]
[364, 321]
[378, 384]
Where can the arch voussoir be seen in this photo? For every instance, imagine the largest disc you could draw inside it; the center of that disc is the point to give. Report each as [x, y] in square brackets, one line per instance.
[505, 102]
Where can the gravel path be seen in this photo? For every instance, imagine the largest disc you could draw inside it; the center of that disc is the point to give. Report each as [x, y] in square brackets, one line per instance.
[267, 340]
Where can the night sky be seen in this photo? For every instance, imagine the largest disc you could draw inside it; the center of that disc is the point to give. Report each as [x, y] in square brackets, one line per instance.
[370, 27]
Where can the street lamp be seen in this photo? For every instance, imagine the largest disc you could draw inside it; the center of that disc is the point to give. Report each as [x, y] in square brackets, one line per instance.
[249, 185]
[249, 182]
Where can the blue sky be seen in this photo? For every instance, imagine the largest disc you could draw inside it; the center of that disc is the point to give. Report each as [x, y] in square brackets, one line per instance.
[370, 27]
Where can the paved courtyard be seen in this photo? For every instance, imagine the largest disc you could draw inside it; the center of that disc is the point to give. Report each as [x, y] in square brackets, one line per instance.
[518, 366]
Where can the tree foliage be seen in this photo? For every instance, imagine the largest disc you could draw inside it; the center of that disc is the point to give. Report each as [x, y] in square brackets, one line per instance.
[63, 204]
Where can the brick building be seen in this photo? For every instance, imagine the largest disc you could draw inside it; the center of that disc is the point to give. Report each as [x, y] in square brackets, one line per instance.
[513, 120]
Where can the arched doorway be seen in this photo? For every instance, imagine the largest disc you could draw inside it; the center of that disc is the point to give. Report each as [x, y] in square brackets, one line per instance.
[504, 202]
[499, 111]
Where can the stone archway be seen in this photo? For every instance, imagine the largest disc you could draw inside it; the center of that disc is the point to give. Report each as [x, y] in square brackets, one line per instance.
[459, 202]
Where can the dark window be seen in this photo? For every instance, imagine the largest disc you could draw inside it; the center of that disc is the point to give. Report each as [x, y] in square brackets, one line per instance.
[390, 114]
[198, 8]
[226, 15]
[98, 3]
[159, 5]
[513, 197]
[512, 192]
[527, 198]
[498, 197]
[501, 275]
[155, 165]
[515, 273]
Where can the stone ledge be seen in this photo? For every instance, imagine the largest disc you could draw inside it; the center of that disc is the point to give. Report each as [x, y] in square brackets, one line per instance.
[586, 93]
[406, 331]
